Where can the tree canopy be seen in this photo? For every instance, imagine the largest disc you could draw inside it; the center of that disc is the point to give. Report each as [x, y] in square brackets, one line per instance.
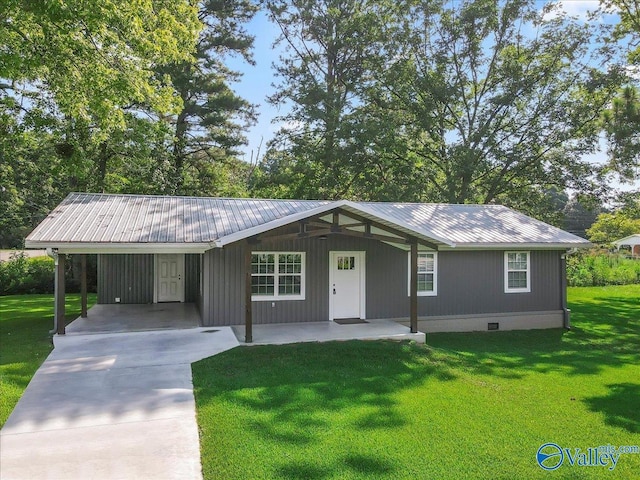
[476, 101]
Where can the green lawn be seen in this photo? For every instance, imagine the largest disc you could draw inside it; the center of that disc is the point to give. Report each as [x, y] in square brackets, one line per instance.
[25, 321]
[465, 406]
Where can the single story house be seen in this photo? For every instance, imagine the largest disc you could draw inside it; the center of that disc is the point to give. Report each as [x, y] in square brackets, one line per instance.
[242, 261]
[632, 242]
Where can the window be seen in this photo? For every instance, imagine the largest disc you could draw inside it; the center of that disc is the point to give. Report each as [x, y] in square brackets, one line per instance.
[427, 274]
[517, 272]
[346, 263]
[277, 275]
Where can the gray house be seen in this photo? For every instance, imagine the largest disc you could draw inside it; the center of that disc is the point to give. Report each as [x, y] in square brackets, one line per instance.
[433, 267]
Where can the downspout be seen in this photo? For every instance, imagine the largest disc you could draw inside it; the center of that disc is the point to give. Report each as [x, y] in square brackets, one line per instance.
[566, 312]
[53, 253]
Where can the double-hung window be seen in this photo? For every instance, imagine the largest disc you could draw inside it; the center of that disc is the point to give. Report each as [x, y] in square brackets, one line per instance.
[517, 272]
[427, 274]
[277, 275]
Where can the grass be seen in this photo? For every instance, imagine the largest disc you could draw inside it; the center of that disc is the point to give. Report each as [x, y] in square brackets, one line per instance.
[473, 405]
[25, 321]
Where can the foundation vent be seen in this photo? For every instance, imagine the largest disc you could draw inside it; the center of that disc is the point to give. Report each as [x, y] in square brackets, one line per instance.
[493, 326]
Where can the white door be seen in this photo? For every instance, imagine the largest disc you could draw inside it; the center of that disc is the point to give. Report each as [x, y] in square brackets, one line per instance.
[346, 285]
[169, 277]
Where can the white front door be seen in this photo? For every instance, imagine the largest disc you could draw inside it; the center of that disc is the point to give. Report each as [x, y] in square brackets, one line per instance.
[346, 285]
[169, 277]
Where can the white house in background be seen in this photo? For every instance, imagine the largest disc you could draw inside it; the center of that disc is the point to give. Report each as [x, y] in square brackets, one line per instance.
[632, 241]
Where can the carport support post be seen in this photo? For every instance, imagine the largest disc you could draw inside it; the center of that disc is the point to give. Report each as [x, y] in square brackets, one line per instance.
[83, 285]
[59, 289]
[413, 289]
[248, 321]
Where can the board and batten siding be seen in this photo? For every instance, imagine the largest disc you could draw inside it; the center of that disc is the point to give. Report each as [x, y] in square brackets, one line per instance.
[130, 277]
[469, 282]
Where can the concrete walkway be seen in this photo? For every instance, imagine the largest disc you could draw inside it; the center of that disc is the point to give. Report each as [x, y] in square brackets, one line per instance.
[111, 406]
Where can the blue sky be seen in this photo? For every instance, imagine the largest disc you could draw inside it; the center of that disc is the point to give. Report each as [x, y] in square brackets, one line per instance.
[257, 81]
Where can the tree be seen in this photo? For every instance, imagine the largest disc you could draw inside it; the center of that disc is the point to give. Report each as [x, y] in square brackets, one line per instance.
[579, 215]
[211, 121]
[622, 120]
[329, 48]
[609, 227]
[484, 112]
[94, 58]
[622, 127]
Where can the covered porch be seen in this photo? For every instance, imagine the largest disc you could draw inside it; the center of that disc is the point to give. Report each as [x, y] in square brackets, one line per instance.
[122, 318]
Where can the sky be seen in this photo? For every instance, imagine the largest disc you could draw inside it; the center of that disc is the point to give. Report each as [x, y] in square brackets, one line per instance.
[258, 80]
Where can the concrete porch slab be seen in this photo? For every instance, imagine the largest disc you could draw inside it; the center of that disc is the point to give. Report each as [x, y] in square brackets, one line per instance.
[283, 333]
[115, 318]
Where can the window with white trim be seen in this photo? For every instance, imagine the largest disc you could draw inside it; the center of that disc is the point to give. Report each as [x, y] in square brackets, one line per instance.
[517, 272]
[277, 275]
[427, 274]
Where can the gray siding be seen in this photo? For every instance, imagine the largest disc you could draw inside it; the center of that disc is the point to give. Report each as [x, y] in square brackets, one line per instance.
[468, 282]
[131, 278]
[192, 278]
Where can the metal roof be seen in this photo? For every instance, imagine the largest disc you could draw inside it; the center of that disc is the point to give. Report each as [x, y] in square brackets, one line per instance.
[116, 220]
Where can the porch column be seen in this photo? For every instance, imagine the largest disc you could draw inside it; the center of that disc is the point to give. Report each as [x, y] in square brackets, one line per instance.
[248, 321]
[59, 294]
[413, 289]
[83, 286]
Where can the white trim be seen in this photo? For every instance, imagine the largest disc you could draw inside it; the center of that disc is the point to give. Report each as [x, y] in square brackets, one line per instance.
[277, 297]
[424, 293]
[506, 273]
[134, 248]
[514, 246]
[361, 254]
[156, 275]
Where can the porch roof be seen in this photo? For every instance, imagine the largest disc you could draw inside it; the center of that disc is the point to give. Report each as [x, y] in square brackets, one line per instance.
[87, 222]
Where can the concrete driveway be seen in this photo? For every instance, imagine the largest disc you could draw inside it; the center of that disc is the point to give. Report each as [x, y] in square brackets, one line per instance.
[111, 406]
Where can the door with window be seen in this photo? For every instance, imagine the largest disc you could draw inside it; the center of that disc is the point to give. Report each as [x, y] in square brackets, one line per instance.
[346, 285]
[169, 278]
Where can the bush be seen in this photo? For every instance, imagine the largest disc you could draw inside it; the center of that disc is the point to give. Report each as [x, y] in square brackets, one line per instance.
[22, 275]
[597, 268]
[26, 275]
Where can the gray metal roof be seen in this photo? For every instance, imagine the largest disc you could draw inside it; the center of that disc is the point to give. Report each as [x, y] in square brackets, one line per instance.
[473, 225]
[86, 218]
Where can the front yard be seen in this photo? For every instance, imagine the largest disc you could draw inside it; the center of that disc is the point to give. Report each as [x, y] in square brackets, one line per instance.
[465, 406]
[25, 321]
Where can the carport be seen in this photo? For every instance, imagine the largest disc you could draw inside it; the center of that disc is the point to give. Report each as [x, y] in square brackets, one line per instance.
[120, 318]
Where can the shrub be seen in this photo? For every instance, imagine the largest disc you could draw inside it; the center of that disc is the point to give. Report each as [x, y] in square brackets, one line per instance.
[22, 275]
[597, 268]
[26, 275]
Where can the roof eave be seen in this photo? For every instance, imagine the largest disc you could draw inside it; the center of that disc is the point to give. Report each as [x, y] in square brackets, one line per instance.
[111, 248]
[518, 246]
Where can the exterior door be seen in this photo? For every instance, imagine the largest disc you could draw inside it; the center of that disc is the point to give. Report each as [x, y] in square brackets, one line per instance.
[170, 277]
[346, 285]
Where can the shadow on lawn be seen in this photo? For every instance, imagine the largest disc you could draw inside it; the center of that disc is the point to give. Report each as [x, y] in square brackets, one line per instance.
[293, 395]
[360, 464]
[604, 334]
[620, 406]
